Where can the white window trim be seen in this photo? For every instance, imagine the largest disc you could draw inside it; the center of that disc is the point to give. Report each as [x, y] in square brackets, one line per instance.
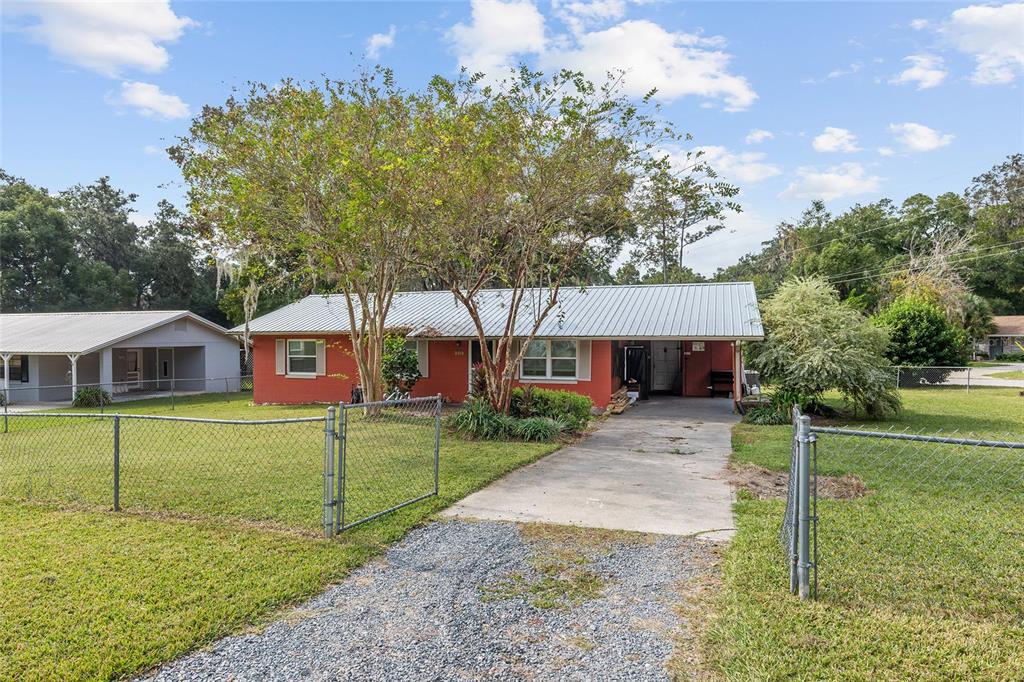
[288, 365]
[548, 378]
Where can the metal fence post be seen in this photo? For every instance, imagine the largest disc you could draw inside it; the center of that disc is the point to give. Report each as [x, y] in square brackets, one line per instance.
[172, 394]
[329, 502]
[437, 441]
[968, 379]
[339, 516]
[6, 400]
[803, 568]
[794, 476]
[117, 462]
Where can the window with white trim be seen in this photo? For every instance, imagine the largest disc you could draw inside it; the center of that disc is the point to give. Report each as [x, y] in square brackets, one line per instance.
[301, 356]
[549, 359]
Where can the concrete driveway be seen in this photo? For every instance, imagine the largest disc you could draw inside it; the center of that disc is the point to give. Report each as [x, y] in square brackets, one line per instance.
[657, 468]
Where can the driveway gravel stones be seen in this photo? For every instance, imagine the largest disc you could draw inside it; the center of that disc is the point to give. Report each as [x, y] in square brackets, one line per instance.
[426, 611]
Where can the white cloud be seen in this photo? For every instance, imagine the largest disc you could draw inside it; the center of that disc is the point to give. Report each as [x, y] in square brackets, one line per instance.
[580, 15]
[744, 232]
[758, 135]
[677, 64]
[886, 151]
[148, 100]
[106, 37]
[919, 138]
[836, 140]
[498, 31]
[742, 167]
[919, 24]
[152, 150]
[847, 179]
[926, 70]
[994, 36]
[380, 41]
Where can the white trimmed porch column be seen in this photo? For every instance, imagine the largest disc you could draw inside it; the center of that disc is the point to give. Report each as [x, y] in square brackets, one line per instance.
[107, 370]
[7, 374]
[73, 357]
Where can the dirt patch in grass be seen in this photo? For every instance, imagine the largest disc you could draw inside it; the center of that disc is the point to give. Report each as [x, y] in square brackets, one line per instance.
[696, 596]
[769, 484]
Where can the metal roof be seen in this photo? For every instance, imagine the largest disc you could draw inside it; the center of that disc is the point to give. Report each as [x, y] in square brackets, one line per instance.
[58, 333]
[699, 311]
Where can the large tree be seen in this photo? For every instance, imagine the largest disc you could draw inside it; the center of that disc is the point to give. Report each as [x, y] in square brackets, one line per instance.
[319, 182]
[530, 176]
[37, 253]
[682, 202]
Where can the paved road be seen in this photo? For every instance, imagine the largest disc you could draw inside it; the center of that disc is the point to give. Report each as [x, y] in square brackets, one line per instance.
[657, 468]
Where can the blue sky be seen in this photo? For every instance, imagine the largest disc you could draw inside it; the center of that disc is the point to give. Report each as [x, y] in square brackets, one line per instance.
[846, 101]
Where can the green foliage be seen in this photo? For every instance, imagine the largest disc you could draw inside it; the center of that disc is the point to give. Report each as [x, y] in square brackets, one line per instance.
[572, 409]
[91, 396]
[816, 343]
[766, 415]
[399, 366]
[478, 420]
[921, 336]
[1010, 357]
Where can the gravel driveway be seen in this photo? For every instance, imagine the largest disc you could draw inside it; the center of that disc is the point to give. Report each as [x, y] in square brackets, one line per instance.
[458, 600]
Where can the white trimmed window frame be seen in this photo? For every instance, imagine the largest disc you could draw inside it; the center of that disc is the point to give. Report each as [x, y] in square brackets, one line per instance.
[288, 358]
[549, 358]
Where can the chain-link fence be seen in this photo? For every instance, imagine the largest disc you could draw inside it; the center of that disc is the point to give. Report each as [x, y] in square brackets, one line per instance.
[321, 473]
[388, 457]
[263, 471]
[919, 521]
[17, 397]
[990, 375]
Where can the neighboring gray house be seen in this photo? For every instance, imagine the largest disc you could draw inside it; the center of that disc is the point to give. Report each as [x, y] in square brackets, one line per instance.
[1008, 336]
[47, 356]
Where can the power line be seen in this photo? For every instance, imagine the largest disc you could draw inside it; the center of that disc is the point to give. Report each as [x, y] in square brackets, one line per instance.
[924, 259]
[961, 260]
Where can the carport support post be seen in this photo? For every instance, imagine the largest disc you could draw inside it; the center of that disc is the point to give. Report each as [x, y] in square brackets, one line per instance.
[7, 385]
[329, 500]
[803, 567]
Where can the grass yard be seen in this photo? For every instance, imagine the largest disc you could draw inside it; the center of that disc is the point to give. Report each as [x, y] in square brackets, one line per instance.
[200, 551]
[920, 579]
[1012, 374]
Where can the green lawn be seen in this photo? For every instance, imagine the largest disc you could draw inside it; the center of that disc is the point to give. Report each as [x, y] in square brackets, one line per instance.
[92, 594]
[918, 580]
[1012, 374]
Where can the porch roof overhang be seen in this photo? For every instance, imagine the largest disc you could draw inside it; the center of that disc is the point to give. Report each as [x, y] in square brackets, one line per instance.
[81, 333]
[711, 311]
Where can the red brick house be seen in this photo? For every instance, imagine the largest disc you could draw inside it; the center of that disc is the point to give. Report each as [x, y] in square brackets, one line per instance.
[680, 339]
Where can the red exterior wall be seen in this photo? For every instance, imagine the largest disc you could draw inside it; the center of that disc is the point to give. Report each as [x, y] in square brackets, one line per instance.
[270, 387]
[448, 373]
[447, 370]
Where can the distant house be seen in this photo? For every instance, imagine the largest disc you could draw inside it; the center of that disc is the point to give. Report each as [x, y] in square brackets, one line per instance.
[680, 339]
[47, 356]
[1008, 336]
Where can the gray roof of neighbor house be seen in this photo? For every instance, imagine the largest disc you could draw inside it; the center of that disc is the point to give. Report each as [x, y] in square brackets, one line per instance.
[1008, 325]
[58, 333]
[700, 311]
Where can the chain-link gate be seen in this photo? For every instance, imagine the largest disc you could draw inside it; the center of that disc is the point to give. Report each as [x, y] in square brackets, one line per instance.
[387, 457]
[923, 518]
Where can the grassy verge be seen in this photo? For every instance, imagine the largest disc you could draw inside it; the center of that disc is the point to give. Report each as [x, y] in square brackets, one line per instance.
[919, 580]
[90, 594]
[1013, 374]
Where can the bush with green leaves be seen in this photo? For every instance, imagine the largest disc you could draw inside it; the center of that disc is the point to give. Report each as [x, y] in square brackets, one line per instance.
[1010, 357]
[815, 343]
[920, 335]
[399, 366]
[91, 396]
[567, 407]
[478, 420]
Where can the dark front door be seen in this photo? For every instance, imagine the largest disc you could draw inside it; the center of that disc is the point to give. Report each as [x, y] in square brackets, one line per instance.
[696, 368]
[636, 363]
